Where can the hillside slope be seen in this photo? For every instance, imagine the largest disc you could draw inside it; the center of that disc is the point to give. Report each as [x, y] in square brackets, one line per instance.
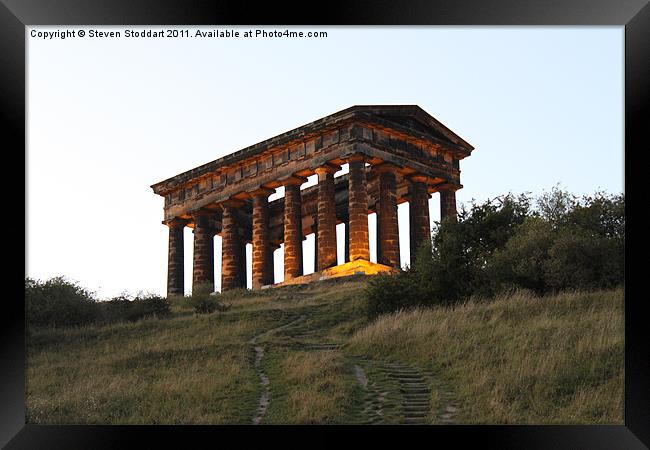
[307, 354]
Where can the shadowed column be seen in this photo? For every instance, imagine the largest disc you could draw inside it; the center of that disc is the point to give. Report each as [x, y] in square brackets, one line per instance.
[448, 203]
[242, 261]
[261, 244]
[175, 269]
[230, 248]
[358, 209]
[326, 230]
[203, 264]
[314, 229]
[418, 214]
[271, 261]
[292, 228]
[387, 223]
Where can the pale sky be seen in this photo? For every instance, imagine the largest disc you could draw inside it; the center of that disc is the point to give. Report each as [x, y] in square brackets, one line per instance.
[108, 117]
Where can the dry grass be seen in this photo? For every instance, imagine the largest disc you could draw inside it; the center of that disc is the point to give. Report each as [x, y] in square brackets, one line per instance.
[519, 358]
[515, 359]
[314, 387]
[191, 369]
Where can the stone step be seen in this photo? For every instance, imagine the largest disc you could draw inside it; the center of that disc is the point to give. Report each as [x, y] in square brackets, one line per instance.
[321, 347]
[416, 421]
[414, 390]
[323, 344]
[370, 416]
[421, 416]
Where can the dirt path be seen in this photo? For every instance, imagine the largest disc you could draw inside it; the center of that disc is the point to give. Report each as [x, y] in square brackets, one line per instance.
[372, 411]
[265, 396]
[392, 392]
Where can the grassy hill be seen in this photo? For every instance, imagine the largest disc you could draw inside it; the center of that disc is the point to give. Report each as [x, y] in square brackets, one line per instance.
[308, 354]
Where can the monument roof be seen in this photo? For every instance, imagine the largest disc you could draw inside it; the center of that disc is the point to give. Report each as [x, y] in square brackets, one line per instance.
[407, 118]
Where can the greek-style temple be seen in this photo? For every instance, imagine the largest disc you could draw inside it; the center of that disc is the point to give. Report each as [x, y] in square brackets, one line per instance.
[395, 154]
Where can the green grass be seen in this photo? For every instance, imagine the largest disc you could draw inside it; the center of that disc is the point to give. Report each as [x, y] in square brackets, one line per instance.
[516, 359]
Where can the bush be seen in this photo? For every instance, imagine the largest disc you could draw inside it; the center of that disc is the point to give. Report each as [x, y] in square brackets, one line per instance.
[388, 293]
[58, 302]
[524, 259]
[431, 280]
[578, 261]
[131, 309]
[502, 244]
[205, 301]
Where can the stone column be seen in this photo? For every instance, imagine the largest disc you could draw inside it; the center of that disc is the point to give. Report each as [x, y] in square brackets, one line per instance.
[261, 244]
[270, 262]
[242, 262]
[292, 228]
[420, 227]
[175, 269]
[326, 248]
[203, 269]
[387, 223]
[358, 209]
[448, 203]
[314, 229]
[230, 248]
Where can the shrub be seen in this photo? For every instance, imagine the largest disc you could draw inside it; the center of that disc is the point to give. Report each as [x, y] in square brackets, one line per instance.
[417, 286]
[578, 261]
[523, 260]
[387, 293]
[502, 244]
[58, 302]
[131, 309]
[151, 305]
[204, 300]
[599, 215]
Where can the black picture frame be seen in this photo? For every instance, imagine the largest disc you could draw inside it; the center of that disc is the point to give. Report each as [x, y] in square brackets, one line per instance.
[15, 15]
